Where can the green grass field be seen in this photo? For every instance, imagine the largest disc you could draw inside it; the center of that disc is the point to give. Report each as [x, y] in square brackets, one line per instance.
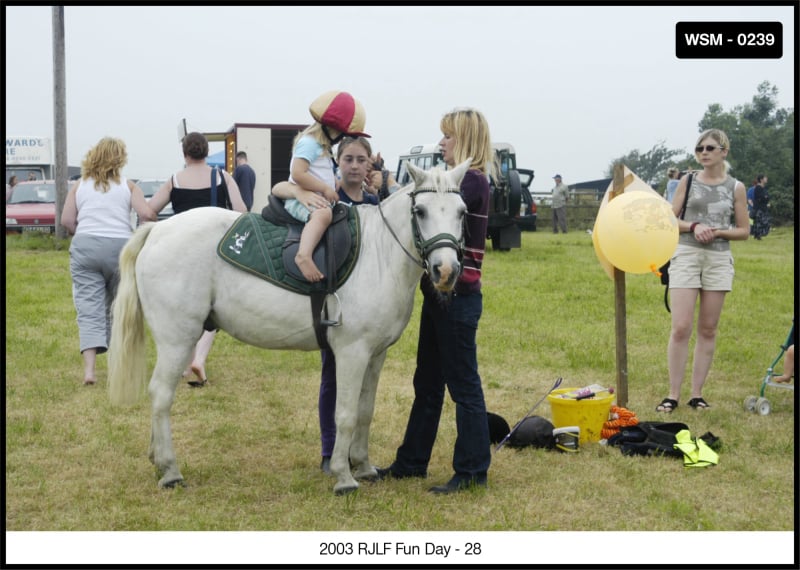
[248, 444]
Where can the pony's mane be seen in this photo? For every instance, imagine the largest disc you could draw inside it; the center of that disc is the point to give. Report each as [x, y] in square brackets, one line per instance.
[436, 179]
[439, 179]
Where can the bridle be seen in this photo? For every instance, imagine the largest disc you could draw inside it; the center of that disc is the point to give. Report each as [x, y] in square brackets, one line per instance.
[425, 246]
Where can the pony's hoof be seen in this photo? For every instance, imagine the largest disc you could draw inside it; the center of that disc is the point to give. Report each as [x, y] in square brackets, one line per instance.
[172, 483]
[340, 491]
[371, 476]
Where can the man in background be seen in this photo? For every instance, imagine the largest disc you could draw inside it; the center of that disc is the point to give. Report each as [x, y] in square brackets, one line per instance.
[559, 205]
[245, 178]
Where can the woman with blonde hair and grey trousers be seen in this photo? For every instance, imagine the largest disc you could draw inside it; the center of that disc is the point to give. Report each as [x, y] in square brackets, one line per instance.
[97, 212]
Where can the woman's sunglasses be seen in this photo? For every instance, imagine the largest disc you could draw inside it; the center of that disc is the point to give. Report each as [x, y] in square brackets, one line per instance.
[707, 148]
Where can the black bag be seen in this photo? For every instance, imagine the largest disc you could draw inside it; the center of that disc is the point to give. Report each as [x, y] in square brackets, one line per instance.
[655, 439]
[649, 438]
[664, 272]
[224, 200]
[664, 269]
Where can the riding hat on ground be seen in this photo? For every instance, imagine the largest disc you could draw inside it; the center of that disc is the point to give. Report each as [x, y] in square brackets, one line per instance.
[534, 431]
[498, 427]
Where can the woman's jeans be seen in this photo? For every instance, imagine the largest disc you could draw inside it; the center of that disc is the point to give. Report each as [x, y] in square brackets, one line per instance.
[447, 356]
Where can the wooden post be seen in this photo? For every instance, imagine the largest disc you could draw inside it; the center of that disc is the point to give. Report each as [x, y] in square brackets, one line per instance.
[59, 117]
[620, 321]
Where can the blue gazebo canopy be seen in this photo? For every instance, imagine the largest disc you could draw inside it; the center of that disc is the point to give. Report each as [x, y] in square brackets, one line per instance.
[217, 159]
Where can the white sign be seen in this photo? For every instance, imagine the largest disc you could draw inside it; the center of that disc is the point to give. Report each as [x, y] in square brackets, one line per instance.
[29, 150]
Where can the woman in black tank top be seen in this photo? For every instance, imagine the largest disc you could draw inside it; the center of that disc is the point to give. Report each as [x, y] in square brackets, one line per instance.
[188, 189]
[191, 187]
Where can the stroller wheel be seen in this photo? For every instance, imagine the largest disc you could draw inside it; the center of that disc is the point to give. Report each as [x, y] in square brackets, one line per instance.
[763, 407]
[750, 404]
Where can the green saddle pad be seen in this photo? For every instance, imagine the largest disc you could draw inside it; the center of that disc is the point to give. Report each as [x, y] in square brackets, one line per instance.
[255, 245]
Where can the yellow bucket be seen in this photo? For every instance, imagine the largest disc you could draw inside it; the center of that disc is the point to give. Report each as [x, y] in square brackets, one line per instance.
[589, 414]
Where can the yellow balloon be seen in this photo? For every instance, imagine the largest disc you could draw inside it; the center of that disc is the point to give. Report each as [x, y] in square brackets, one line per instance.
[604, 263]
[637, 232]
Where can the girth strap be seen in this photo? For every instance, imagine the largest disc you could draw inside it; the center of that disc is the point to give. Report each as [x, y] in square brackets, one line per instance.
[317, 305]
[318, 297]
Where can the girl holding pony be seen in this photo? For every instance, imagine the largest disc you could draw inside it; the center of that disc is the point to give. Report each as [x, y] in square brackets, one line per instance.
[353, 157]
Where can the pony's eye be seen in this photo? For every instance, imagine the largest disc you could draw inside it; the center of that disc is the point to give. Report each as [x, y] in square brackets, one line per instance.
[419, 211]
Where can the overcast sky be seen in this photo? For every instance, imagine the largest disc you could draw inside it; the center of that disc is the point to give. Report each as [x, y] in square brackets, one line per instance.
[570, 87]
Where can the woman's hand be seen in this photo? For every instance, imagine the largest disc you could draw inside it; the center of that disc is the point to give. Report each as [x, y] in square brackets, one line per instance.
[703, 233]
[374, 181]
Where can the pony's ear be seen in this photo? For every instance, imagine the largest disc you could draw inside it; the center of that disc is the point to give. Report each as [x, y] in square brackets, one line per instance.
[459, 171]
[417, 174]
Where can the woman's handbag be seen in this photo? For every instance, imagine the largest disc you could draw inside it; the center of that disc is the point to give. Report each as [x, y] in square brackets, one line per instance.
[223, 187]
[664, 269]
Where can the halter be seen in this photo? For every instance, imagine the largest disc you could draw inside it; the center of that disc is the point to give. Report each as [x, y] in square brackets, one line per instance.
[424, 247]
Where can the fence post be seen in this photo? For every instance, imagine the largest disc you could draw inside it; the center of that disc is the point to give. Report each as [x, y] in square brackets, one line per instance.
[620, 321]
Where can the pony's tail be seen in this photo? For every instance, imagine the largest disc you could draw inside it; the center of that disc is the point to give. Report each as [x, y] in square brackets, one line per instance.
[127, 366]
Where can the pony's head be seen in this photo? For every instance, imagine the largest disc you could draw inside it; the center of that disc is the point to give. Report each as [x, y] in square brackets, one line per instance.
[438, 220]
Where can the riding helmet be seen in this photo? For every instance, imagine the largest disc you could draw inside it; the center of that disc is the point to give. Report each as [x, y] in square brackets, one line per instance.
[498, 427]
[341, 111]
[534, 431]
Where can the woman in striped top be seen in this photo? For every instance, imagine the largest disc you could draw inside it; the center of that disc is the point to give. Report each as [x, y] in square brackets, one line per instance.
[446, 350]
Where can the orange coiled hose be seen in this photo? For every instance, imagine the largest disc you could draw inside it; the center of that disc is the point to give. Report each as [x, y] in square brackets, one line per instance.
[620, 418]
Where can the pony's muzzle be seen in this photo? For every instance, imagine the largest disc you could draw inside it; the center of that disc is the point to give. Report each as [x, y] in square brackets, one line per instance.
[444, 275]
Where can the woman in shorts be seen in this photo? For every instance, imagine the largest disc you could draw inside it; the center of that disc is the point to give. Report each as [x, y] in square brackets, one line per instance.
[701, 269]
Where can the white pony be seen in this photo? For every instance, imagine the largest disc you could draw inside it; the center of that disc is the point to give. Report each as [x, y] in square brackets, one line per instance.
[171, 275]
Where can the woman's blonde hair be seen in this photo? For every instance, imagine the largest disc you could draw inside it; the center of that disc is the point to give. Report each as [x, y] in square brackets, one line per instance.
[471, 131]
[314, 130]
[104, 162]
[722, 140]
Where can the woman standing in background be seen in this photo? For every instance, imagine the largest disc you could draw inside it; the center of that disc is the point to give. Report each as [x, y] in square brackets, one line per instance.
[97, 212]
[701, 269]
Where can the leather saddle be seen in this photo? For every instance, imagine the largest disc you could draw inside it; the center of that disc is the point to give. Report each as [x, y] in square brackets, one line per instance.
[332, 250]
[329, 255]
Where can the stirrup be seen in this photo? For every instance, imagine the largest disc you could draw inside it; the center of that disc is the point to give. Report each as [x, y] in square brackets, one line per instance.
[335, 321]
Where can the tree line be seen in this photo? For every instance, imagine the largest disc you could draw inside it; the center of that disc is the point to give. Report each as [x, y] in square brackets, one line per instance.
[762, 142]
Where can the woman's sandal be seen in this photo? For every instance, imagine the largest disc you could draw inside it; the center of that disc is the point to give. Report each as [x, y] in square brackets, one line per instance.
[667, 405]
[198, 383]
[698, 404]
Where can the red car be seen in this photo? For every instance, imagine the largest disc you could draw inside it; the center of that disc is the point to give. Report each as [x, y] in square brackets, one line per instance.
[32, 207]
